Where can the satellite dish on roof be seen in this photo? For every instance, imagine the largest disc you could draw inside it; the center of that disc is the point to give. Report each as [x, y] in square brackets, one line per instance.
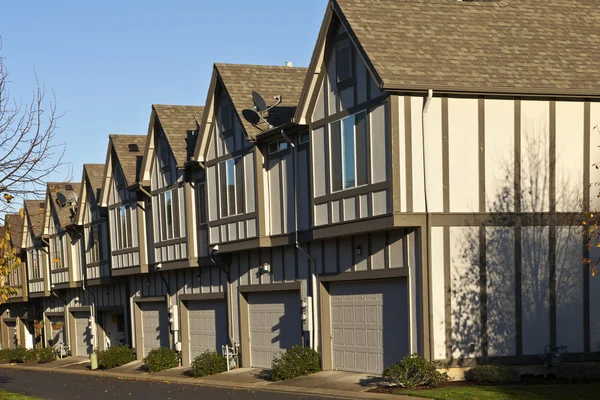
[61, 200]
[259, 103]
[255, 115]
[251, 116]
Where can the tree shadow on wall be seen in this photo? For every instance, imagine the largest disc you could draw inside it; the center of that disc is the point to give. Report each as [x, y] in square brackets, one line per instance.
[506, 270]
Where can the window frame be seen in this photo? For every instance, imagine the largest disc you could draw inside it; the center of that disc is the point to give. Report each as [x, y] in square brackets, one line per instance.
[227, 105]
[345, 82]
[282, 145]
[124, 229]
[35, 267]
[167, 232]
[342, 134]
[201, 203]
[231, 200]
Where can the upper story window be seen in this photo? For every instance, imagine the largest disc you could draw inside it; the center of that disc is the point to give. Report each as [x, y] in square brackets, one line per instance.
[164, 155]
[124, 228]
[231, 183]
[343, 62]
[166, 205]
[35, 267]
[94, 244]
[278, 145]
[226, 114]
[201, 195]
[304, 137]
[348, 142]
[58, 260]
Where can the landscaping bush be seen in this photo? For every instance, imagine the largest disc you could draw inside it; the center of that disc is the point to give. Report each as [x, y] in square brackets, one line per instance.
[160, 359]
[5, 354]
[208, 363]
[47, 355]
[297, 361]
[115, 357]
[413, 370]
[578, 372]
[22, 355]
[493, 374]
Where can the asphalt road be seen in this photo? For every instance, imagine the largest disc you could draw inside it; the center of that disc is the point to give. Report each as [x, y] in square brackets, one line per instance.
[61, 386]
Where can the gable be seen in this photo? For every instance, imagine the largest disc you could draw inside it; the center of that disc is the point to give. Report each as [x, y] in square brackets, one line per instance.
[326, 89]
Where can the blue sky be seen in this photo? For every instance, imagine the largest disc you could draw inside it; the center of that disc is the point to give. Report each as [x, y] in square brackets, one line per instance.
[109, 60]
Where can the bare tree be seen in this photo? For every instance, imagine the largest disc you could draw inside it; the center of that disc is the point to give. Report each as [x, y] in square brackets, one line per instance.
[28, 152]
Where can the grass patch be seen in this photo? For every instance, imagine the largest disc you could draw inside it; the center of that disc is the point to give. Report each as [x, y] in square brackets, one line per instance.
[510, 392]
[15, 396]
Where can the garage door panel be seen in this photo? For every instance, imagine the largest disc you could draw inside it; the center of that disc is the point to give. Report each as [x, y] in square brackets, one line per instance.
[369, 324]
[208, 326]
[275, 324]
[155, 326]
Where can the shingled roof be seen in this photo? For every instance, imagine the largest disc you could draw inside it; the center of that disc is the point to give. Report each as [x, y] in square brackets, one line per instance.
[15, 223]
[269, 81]
[130, 161]
[176, 122]
[523, 45]
[95, 173]
[35, 213]
[64, 213]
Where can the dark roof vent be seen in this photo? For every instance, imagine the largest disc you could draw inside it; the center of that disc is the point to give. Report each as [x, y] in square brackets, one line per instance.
[42, 205]
[68, 187]
[133, 148]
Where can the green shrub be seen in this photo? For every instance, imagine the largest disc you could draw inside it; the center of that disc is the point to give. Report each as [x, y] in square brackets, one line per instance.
[493, 374]
[208, 363]
[578, 372]
[5, 354]
[297, 361]
[160, 359]
[22, 355]
[115, 357]
[47, 354]
[413, 370]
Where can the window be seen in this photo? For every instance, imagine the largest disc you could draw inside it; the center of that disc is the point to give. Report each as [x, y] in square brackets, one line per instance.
[201, 203]
[343, 60]
[349, 152]
[35, 265]
[164, 155]
[94, 244]
[58, 257]
[226, 117]
[278, 145]
[231, 178]
[166, 215]
[123, 225]
[304, 137]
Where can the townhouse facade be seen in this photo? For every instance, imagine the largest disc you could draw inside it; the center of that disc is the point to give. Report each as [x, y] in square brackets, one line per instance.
[401, 195]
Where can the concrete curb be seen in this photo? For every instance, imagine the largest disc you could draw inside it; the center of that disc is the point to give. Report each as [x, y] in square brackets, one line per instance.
[207, 382]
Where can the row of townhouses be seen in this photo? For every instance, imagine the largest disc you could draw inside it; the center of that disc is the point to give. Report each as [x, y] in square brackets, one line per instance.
[415, 190]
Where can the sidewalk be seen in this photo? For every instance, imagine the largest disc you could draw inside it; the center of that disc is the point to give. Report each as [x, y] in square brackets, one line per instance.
[326, 383]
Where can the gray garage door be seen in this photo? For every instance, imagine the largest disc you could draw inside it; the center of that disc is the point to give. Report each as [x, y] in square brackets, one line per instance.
[369, 324]
[11, 342]
[208, 326]
[155, 326]
[83, 334]
[275, 324]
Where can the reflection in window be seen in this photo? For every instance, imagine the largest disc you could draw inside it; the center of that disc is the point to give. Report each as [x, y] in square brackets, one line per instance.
[231, 181]
[349, 152]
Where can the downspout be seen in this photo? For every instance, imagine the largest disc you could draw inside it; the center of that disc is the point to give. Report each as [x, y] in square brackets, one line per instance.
[312, 264]
[427, 216]
[93, 315]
